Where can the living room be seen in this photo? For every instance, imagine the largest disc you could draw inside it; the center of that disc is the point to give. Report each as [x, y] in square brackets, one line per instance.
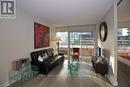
[18, 38]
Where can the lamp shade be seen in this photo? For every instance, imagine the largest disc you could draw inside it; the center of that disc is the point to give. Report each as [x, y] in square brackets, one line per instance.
[56, 39]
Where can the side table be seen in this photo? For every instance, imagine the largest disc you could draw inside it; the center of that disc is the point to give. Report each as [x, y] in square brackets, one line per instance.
[19, 76]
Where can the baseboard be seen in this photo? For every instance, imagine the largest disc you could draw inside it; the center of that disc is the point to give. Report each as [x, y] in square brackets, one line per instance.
[113, 82]
[127, 62]
[5, 84]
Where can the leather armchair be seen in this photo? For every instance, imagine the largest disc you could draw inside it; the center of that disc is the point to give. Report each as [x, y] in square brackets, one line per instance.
[100, 67]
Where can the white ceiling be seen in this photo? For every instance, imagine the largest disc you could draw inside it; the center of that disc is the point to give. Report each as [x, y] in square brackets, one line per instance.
[124, 11]
[67, 12]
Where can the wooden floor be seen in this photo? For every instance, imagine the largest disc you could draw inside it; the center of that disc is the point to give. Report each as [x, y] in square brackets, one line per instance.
[123, 75]
[84, 76]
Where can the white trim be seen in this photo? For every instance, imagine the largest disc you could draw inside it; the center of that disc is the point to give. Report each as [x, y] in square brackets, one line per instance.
[114, 82]
[127, 62]
[5, 84]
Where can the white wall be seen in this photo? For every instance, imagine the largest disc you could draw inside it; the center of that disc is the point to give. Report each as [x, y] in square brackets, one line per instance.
[16, 40]
[111, 41]
[123, 11]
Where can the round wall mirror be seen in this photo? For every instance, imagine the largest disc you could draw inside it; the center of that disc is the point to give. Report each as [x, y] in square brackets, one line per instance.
[103, 31]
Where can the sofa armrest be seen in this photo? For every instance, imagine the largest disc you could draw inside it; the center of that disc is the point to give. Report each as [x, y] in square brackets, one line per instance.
[35, 63]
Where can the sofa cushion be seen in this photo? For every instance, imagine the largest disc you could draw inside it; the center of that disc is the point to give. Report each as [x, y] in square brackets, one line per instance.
[101, 60]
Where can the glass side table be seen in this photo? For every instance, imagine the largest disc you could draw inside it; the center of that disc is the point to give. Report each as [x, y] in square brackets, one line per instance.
[17, 77]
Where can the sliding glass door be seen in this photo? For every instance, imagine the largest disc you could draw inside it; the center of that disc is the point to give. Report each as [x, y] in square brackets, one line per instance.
[75, 39]
[87, 44]
[82, 40]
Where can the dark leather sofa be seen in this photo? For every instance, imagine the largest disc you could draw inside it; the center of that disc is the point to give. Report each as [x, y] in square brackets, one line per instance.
[48, 63]
[100, 65]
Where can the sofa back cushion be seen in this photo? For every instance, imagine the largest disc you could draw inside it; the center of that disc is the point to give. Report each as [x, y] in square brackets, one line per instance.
[36, 54]
[50, 52]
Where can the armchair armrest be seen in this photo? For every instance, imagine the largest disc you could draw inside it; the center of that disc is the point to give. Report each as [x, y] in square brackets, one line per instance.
[101, 68]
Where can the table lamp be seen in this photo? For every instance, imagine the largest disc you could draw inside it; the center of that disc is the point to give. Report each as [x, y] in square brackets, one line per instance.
[57, 41]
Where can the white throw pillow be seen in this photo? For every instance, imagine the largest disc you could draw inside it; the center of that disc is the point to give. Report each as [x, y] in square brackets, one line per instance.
[45, 56]
[55, 53]
[40, 59]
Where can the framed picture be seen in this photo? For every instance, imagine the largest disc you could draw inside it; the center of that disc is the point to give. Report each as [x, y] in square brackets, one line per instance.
[41, 36]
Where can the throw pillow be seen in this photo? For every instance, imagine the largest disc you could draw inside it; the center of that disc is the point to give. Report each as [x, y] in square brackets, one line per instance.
[46, 55]
[99, 60]
[40, 59]
[49, 53]
[55, 53]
